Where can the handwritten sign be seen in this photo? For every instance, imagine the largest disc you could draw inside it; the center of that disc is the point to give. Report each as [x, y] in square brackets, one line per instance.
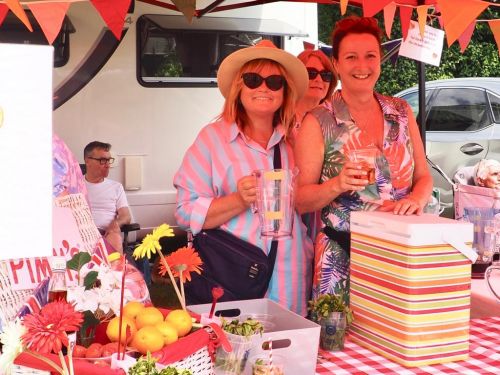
[427, 49]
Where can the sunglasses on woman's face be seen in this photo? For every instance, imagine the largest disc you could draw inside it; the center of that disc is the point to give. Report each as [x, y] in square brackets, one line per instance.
[325, 75]
[254, 80]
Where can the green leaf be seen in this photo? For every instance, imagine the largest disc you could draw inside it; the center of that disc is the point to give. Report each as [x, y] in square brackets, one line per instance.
[90, 280]
[78, 261]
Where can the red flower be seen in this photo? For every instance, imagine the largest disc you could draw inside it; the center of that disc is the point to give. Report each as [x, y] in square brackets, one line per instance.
[46, 330]
[185, 258]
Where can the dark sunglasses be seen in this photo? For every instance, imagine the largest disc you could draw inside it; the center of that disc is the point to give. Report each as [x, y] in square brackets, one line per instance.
[254, 80]
[326, 75]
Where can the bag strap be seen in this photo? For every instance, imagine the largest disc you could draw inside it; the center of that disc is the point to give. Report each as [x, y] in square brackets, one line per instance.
[274, 244]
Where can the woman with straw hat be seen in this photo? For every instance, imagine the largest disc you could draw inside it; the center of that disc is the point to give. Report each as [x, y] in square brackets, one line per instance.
[215, 186]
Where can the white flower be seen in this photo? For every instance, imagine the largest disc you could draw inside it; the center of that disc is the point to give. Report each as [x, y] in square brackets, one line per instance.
[12, 345]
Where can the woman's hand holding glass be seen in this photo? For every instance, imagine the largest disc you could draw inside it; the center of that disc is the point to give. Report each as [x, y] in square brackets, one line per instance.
[247, 189]
[352, 177]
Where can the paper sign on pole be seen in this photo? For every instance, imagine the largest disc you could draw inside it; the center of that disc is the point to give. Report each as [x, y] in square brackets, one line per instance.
[25, 150]
[427, 49]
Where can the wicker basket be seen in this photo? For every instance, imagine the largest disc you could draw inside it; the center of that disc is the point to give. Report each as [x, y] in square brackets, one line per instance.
[11, 300]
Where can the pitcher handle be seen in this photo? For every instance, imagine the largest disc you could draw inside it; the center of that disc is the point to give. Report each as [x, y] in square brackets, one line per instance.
[489, 270]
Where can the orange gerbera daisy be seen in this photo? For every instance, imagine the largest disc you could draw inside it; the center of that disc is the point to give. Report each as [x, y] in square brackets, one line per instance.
[46, 330]
[185, 258]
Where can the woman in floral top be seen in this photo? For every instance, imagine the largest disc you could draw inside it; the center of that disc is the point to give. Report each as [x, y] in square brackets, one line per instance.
[357, 117]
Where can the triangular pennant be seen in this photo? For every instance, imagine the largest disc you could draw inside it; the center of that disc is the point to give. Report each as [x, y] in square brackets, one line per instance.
[343, 6]
[3, 12]
[466, 36]
[372, 7]
[495, 29]
[50, 17]
[187, 7]
[405, 17]
[18, 10]
[422, 18]
[389, 12]
[308, 46]
[458, 14]
[113, 13]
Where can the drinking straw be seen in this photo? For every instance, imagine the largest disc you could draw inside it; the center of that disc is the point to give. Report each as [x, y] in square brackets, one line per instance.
[122, 294]
[271, 356]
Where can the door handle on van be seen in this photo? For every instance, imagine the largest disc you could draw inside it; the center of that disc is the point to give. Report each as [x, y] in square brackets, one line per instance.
[471, 148]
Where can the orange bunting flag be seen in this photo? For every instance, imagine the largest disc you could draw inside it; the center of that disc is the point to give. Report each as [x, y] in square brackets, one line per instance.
[3, 12]
[405, 16]
[389, 12]
[495, 29]
[113, 13]
[186, 7]
[50, 17]
[422, 18]
[458, 14]
[466, 36]
[18, 10]
[372, 7]
[343, 6]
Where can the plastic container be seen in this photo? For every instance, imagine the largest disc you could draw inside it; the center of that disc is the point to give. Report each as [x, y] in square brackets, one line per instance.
[134, 281]
[235, 361]
[261, 365]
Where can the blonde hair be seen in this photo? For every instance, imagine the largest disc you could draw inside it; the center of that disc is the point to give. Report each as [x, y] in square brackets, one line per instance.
[233, 110]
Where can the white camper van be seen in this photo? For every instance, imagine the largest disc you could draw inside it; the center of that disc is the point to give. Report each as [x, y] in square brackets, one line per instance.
[150, 93]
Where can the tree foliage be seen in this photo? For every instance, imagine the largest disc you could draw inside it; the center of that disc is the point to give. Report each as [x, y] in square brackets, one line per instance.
[480, 59]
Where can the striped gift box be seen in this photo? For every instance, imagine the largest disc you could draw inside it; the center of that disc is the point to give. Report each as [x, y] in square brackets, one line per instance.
[410, 289]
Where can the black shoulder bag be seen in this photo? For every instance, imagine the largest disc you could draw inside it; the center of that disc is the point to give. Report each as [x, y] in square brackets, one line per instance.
[242, 269]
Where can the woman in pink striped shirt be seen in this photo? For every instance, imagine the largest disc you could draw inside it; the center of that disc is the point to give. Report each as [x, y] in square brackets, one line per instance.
[215, 186]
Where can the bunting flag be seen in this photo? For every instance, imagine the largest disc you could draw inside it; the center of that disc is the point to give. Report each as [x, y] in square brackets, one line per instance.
[113, 13]
[458, 14]
[466, 36]
[372, 7]
[343, 6]
[186, 7]
[308, 46]
[405, 16]
[50, 17]
[422, 18]
[3, 12]
[495, 29]
[18, 10]
[389, 12]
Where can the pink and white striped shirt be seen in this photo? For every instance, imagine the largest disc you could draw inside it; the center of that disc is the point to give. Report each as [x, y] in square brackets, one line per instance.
[212, 166]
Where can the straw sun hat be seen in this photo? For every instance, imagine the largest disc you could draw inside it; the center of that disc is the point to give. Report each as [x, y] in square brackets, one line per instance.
[265, 49]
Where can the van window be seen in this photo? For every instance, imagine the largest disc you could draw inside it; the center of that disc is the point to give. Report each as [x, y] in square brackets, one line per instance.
[12, 30]
[187, 57]
[458, 109]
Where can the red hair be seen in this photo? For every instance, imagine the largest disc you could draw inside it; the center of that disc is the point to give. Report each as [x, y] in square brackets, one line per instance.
[354, 25]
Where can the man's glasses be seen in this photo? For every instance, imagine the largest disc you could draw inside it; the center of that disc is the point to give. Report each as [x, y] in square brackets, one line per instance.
[103, 161]
[254, 80]
[326, 75]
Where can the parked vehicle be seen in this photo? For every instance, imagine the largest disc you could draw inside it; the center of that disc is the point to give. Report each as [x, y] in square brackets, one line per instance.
[463, 125]
[150, 93]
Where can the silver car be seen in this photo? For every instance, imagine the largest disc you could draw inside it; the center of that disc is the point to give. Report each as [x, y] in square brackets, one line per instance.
[463, 125]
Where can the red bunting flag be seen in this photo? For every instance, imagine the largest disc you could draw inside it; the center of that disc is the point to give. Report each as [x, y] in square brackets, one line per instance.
[18, 10]
[3, 12]
[389, 12]
[466, 36]
[458, 14]
[50, 17]
[495, 29]
[113, 13]
[405, 16]
[308, 46]
[372, 7]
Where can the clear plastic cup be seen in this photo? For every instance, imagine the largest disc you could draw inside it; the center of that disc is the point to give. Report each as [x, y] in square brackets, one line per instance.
[261, 365]
[367, 158]
[235, 361]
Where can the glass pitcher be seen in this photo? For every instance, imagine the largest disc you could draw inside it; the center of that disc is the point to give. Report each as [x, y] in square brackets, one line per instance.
[275, 201]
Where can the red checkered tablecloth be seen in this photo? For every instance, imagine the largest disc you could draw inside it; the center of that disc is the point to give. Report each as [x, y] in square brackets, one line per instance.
[484, 357]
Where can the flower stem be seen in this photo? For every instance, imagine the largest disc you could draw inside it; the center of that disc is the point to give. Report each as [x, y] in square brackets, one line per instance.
[46, 360]
[63, 363]
[172, 279]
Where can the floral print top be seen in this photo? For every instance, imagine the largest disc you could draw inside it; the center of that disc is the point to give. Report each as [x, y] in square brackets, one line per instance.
[395, 164]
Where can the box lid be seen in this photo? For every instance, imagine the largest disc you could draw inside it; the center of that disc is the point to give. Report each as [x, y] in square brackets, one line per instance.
[412, 230]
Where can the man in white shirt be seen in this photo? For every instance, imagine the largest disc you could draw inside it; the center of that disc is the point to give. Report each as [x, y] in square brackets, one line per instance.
[108, 202]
